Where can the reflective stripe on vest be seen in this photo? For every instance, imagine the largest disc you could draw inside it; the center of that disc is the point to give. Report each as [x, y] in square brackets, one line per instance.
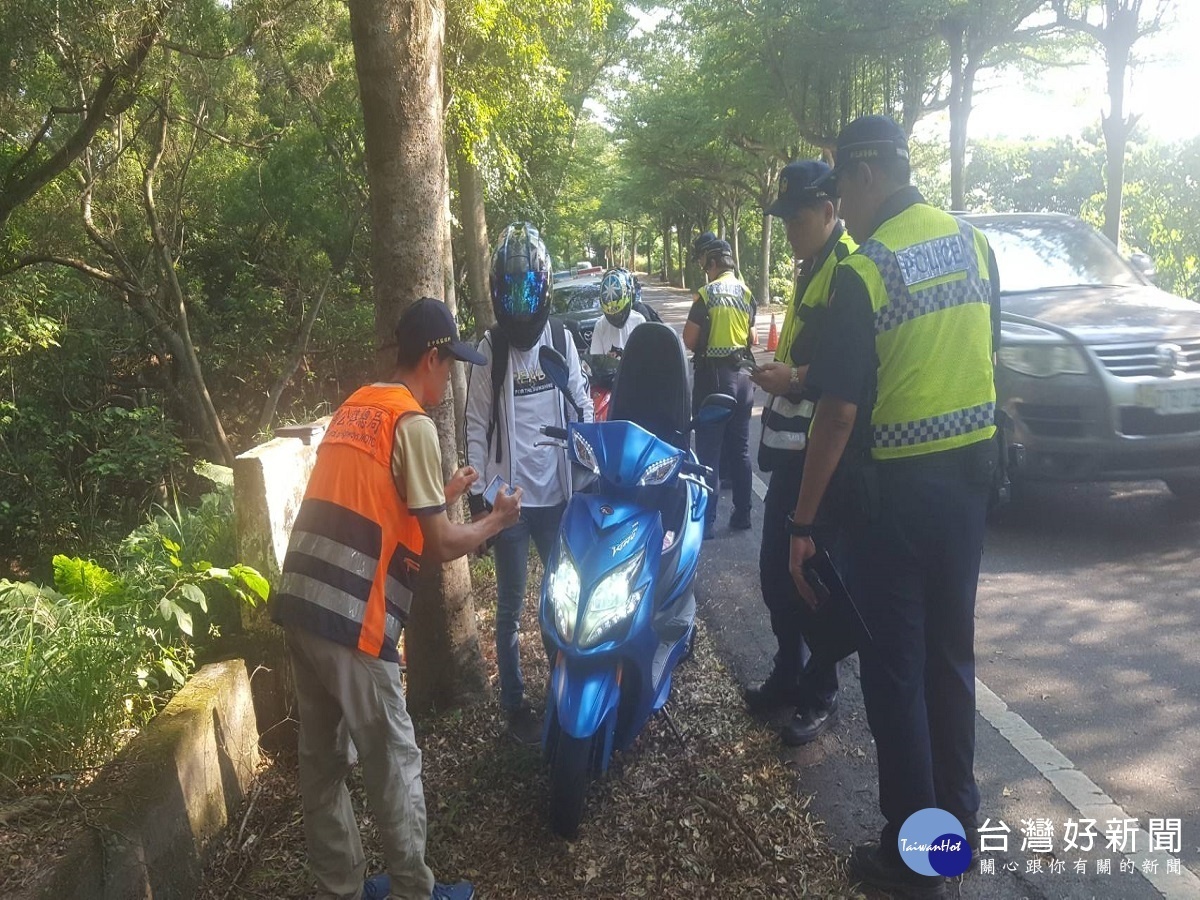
[785, 424]
[727, 300]
[926, 273]
[354, 552]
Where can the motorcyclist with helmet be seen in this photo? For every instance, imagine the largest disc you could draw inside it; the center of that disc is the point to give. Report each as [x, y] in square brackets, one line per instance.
[509, 399]
[617, 293]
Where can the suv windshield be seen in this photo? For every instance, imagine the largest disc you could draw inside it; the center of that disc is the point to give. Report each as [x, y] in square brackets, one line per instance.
[575, 298]
[1036, 254]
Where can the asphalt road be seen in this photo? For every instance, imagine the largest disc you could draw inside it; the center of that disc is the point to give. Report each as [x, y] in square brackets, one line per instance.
[1088, 651]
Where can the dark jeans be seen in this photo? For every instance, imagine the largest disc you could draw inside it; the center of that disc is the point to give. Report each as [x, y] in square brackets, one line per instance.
[914, 571]
[512, 571]
[819, 689]
[733, 432]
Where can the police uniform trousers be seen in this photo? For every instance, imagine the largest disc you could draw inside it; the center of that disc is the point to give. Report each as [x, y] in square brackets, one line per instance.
[913, 570]
[733, 434]
[788, 612]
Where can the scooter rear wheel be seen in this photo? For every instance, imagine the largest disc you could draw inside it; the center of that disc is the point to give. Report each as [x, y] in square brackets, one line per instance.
[570, 774]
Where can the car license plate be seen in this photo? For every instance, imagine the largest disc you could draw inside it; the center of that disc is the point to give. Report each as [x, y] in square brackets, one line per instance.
[1170, 401]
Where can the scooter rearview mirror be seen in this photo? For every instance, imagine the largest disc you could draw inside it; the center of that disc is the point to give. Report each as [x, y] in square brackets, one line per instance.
[715, 409]
[554, 364]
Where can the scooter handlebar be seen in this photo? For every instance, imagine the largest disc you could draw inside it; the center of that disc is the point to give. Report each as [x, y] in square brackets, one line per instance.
[699, 471]
[553, 431]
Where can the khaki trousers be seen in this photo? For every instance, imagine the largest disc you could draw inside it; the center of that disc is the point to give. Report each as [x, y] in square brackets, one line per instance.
[346, 696]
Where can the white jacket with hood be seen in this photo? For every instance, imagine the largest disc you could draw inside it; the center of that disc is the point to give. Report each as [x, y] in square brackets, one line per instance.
[479, 415]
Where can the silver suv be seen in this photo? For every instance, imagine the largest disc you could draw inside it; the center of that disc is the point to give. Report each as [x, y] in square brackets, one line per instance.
[1098, 369]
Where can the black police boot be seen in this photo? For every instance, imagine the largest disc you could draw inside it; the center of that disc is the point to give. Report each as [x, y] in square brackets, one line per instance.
[776, 692]
[809, 724]
[870, 866]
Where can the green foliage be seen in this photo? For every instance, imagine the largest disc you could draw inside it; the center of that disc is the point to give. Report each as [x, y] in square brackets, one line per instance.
[85, 663]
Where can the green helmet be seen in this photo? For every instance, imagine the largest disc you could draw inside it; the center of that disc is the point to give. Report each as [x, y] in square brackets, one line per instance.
[616, 296]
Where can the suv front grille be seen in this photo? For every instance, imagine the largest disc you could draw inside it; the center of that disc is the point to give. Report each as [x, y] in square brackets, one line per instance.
[1052, 421]
[1137, 421]
[1129, 360]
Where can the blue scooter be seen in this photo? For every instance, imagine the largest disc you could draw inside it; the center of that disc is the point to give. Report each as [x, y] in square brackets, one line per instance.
[617, 611]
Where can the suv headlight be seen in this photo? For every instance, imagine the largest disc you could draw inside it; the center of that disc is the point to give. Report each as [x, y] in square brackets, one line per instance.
[563, 591]
[1043, 360]
[612, 602]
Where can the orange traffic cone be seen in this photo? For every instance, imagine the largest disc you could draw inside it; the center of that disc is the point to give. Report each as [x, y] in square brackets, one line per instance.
[772, 336]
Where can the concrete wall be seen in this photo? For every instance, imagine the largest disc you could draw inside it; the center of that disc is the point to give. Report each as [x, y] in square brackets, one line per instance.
[154, 808]
[268, 485]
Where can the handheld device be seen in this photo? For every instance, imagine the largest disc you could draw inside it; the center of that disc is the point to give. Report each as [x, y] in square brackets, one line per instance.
[817, 583]
[748, 364]
[489, 494]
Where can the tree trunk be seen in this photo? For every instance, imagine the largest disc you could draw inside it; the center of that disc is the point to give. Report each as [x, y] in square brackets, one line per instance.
[733, 233]
[267, 416]
[633, 245]
[475, 240]
[683, 258]
[960, 111]
[206, 411]
[1116, 128]
[668, 266]
[458, 373]
[398, 58]
[764, 285]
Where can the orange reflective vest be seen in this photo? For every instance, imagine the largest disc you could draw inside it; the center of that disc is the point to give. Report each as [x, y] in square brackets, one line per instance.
[355, 549]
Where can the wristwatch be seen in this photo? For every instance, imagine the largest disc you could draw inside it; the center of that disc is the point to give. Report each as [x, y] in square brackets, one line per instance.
[794, 380]
[796, 529]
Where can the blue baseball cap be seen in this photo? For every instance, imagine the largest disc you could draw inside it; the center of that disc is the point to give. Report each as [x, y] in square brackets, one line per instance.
[866, 139]
[427, 323]
[798, 187]
[701, 244]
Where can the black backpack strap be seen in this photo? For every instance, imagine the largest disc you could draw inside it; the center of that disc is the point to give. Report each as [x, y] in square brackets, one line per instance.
[499, 373]
[558, 338]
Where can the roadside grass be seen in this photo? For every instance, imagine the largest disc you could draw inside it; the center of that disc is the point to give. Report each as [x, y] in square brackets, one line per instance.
[702, 805]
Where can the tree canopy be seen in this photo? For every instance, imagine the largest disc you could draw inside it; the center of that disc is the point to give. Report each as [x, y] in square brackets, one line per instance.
[185, 226]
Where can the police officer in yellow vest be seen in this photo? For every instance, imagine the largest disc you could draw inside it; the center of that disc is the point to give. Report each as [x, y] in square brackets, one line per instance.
[819, 242]
[913, 327]
[719, 332]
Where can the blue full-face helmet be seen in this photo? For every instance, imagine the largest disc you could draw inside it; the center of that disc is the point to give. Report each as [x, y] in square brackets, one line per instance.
[520, 284]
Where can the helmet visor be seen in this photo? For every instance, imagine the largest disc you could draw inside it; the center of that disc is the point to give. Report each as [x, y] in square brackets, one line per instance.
[521, 293]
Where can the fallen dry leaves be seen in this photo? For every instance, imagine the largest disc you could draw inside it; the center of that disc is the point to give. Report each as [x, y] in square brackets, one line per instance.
[702, 806]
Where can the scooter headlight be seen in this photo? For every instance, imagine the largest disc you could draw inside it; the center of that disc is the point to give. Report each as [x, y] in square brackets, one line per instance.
[584, 453]
[659, 472]
[563, 591]
[612, 602]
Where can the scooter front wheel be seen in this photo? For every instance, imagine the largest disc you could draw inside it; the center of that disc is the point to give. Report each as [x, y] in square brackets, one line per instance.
[570, 774]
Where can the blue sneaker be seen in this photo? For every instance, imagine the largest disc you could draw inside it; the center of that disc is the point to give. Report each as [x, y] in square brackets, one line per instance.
[460, 891]
[377, 887]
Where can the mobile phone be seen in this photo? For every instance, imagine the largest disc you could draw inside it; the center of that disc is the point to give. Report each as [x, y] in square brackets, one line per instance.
[816, 582]
[489, 494]
[749, 365]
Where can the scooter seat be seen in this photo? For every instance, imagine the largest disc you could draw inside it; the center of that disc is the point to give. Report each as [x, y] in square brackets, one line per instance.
[652, 385]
